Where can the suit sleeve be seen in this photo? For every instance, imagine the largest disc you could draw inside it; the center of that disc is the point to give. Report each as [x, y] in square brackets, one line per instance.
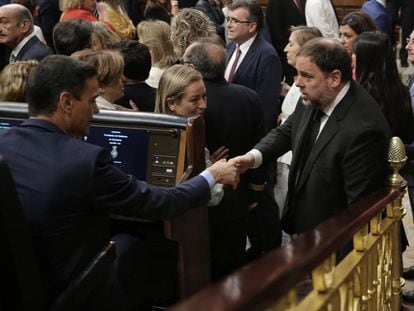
[277, 141]
[364, 164]
[124, 194]
[270, 74]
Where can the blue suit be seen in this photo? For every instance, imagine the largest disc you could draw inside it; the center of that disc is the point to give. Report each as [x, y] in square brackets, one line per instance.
[34, 49]
[67, 188]
[261, 71]
[380, 15]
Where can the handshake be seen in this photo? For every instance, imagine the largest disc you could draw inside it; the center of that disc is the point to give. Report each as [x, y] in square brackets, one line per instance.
[228, 172]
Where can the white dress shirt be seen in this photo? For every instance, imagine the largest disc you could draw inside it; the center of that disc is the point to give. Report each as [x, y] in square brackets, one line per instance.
[244, 48]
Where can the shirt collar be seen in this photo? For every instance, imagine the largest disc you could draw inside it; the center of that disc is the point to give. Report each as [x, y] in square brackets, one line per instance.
[21, 44]
[244, 47]
[329, 109]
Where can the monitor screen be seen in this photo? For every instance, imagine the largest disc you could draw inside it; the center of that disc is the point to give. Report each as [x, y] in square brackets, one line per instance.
[128, 147]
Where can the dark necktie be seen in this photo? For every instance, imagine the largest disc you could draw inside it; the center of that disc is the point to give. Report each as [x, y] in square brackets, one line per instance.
[234, 65]
[309, 139]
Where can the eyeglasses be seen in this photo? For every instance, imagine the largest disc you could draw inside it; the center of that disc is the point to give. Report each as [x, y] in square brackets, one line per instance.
[409, 40]
[232, 20]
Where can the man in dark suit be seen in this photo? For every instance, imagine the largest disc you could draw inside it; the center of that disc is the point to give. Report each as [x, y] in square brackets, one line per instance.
[281, 15]
[251, 61]
[338, 135]
[49, 15]
[67, 187]
[16, 31]
[233, 119]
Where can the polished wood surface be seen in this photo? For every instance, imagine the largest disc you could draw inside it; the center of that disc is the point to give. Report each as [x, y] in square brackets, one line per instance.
[260, 284]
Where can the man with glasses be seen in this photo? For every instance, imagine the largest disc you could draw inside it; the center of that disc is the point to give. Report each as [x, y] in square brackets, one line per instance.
[251, 61]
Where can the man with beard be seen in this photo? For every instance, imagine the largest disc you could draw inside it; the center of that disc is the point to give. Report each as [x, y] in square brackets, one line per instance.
[338, 136]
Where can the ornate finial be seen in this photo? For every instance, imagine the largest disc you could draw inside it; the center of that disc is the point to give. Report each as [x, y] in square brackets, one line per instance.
[396, 159]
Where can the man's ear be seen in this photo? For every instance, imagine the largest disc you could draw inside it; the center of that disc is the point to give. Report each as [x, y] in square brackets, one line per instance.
[253, 27]
[336, 78]
[25, 26]
[66, 102]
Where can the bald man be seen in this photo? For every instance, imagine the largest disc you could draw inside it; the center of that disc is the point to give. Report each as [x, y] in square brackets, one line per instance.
[16, 32]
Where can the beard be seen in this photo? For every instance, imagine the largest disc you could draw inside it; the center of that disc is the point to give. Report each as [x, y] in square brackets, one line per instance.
[321, 103]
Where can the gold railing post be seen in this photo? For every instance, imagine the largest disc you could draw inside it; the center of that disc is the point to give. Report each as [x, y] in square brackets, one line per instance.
[396, 160]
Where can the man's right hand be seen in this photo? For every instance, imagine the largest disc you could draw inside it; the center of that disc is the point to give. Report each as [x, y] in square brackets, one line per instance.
[225, 172]
[244, 162]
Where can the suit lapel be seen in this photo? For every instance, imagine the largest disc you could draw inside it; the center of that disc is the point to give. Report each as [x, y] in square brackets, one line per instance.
[247, 59]
[327, 134]
[230, 50]
[26, 48]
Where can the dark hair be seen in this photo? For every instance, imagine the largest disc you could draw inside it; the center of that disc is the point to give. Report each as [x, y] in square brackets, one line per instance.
[377, 72]
[137, 59]
[359, 22]
[72, 35]
[29, 4]
[53, 75]
[208, 58]
[255, 11]
[328, 55]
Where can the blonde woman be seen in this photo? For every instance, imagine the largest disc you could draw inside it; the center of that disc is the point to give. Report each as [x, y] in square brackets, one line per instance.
[188, 26]
[13, 80]
[110, 67]
[182, 92]
[156, 36]
[114, 13]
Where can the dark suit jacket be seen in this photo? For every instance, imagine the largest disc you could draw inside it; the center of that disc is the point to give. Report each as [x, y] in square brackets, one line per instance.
[34, 49]
[49, 15]
[347, 161]
[67, 188]
[280, 16]
[141, 93]
[233, 118]
[260, 71]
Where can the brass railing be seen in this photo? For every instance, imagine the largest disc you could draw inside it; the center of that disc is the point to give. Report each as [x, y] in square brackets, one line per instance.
[368, 278]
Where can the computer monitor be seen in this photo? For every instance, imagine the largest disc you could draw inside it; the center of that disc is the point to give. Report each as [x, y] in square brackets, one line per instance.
[149, 146]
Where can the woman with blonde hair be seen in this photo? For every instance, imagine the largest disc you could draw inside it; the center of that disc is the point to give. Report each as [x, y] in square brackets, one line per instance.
[156, 36]
[13, 80]
[110, 67]
[188, 26]
[114, 13]
[182, 92]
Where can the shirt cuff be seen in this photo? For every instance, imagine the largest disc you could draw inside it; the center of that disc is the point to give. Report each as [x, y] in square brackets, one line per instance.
[258, 158]
[209, 178]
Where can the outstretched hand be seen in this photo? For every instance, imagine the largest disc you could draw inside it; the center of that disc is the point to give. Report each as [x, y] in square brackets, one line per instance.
[243, 163]
[225, 172]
